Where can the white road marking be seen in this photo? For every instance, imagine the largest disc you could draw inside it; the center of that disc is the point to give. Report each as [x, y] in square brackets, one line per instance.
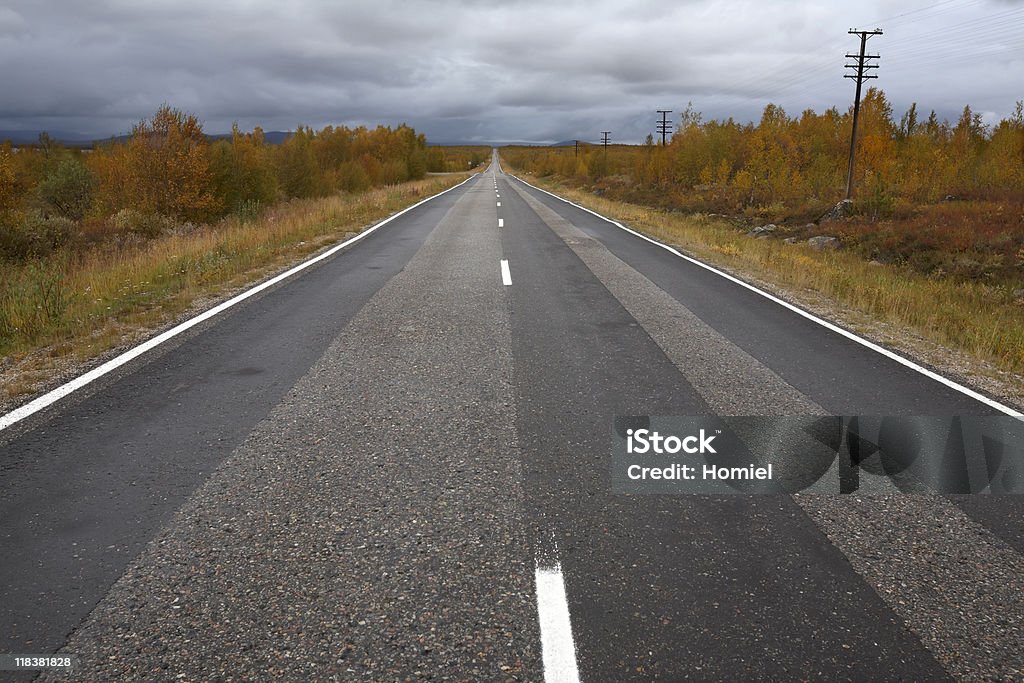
[499, 203]
[60, 392]
[506, 274]
[799, 311]
[557, 648]
[501, 222]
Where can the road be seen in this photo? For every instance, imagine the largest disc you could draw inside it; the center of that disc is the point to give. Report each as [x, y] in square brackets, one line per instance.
[394, 465]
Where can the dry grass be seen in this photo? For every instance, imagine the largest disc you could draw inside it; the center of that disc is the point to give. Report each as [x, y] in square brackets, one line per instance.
[983, 321]
[70, 308]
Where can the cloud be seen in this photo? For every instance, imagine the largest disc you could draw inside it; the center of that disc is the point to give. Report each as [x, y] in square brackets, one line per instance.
[470, 69]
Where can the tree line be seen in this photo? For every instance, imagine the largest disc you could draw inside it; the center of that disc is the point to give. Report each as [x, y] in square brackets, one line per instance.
[783, 162]
[168, 173]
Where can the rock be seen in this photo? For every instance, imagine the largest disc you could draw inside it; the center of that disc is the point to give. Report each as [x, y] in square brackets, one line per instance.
[791, 240]
[1018, 293]
[843, 208]
[950, 198]
[762, 230]
[822, 242]
[810, 226]
[875, 263]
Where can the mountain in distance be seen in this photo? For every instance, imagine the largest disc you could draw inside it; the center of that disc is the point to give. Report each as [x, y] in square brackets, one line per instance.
[273, 137]
[26, 137]
[30, 137]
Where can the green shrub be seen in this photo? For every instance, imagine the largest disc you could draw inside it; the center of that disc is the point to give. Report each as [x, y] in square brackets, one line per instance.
[31, 234]
[68, 188]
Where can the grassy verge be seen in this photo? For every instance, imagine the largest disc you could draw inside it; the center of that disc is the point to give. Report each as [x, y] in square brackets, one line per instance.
[70, 308]
[982, 321]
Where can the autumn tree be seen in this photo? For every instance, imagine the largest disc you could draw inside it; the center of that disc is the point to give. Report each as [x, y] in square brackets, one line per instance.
[163, 168]
[297, 170]
[241, 170]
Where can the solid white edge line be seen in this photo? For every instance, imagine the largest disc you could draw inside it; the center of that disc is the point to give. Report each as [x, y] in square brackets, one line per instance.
[501, 222]
[558, 651]
[796, 309]
[506, 274]
[60, 392]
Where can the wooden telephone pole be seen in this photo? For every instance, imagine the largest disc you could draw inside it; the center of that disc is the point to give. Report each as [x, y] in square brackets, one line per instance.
[664, 126]
[862, 68]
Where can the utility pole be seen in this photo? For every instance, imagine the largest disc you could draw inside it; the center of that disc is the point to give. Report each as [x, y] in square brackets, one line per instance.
[577, 147]
[604, 141]
[862, 73]
[664, 126]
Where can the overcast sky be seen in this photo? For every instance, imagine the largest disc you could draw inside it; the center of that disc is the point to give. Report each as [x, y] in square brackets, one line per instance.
[489, 71]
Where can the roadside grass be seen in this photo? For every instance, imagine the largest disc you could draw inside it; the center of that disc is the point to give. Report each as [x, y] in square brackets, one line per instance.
[71, 307]
[983, 320]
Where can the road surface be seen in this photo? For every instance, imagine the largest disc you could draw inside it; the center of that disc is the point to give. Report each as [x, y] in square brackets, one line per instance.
[395, 466]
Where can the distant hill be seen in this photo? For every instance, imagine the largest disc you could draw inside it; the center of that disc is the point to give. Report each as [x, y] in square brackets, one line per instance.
[273, 137]
[500, 143]
[28, 137]
[457, 143]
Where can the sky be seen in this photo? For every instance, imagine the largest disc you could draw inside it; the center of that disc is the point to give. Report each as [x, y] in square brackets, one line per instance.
[490, 71]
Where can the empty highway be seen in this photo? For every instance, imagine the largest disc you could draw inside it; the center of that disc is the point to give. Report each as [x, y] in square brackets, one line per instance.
[395, 465]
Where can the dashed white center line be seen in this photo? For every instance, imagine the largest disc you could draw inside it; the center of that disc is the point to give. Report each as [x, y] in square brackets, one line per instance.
[506, 274]
[501, 222]
[499, 203]
[557, 648]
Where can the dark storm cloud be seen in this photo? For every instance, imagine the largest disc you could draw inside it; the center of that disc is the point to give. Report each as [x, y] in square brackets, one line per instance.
[460, 70]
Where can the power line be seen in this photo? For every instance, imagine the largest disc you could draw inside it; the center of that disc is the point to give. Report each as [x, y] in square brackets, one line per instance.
[895, 19]
[795, 77]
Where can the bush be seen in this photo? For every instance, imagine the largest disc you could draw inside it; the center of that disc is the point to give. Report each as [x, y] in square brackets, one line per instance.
[147, 225]
[68, 188]
[32, 234]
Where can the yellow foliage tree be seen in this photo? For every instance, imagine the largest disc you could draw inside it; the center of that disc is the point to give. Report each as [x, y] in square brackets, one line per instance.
[163, 168]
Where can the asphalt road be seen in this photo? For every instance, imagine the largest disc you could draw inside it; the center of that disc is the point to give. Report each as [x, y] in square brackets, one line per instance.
[395, 466]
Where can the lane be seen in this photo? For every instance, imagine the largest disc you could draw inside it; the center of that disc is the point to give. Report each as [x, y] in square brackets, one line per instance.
[956, 585]
[842, 376]
[369, 527]
[87, 483]
[666, 587]
[838, 374]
